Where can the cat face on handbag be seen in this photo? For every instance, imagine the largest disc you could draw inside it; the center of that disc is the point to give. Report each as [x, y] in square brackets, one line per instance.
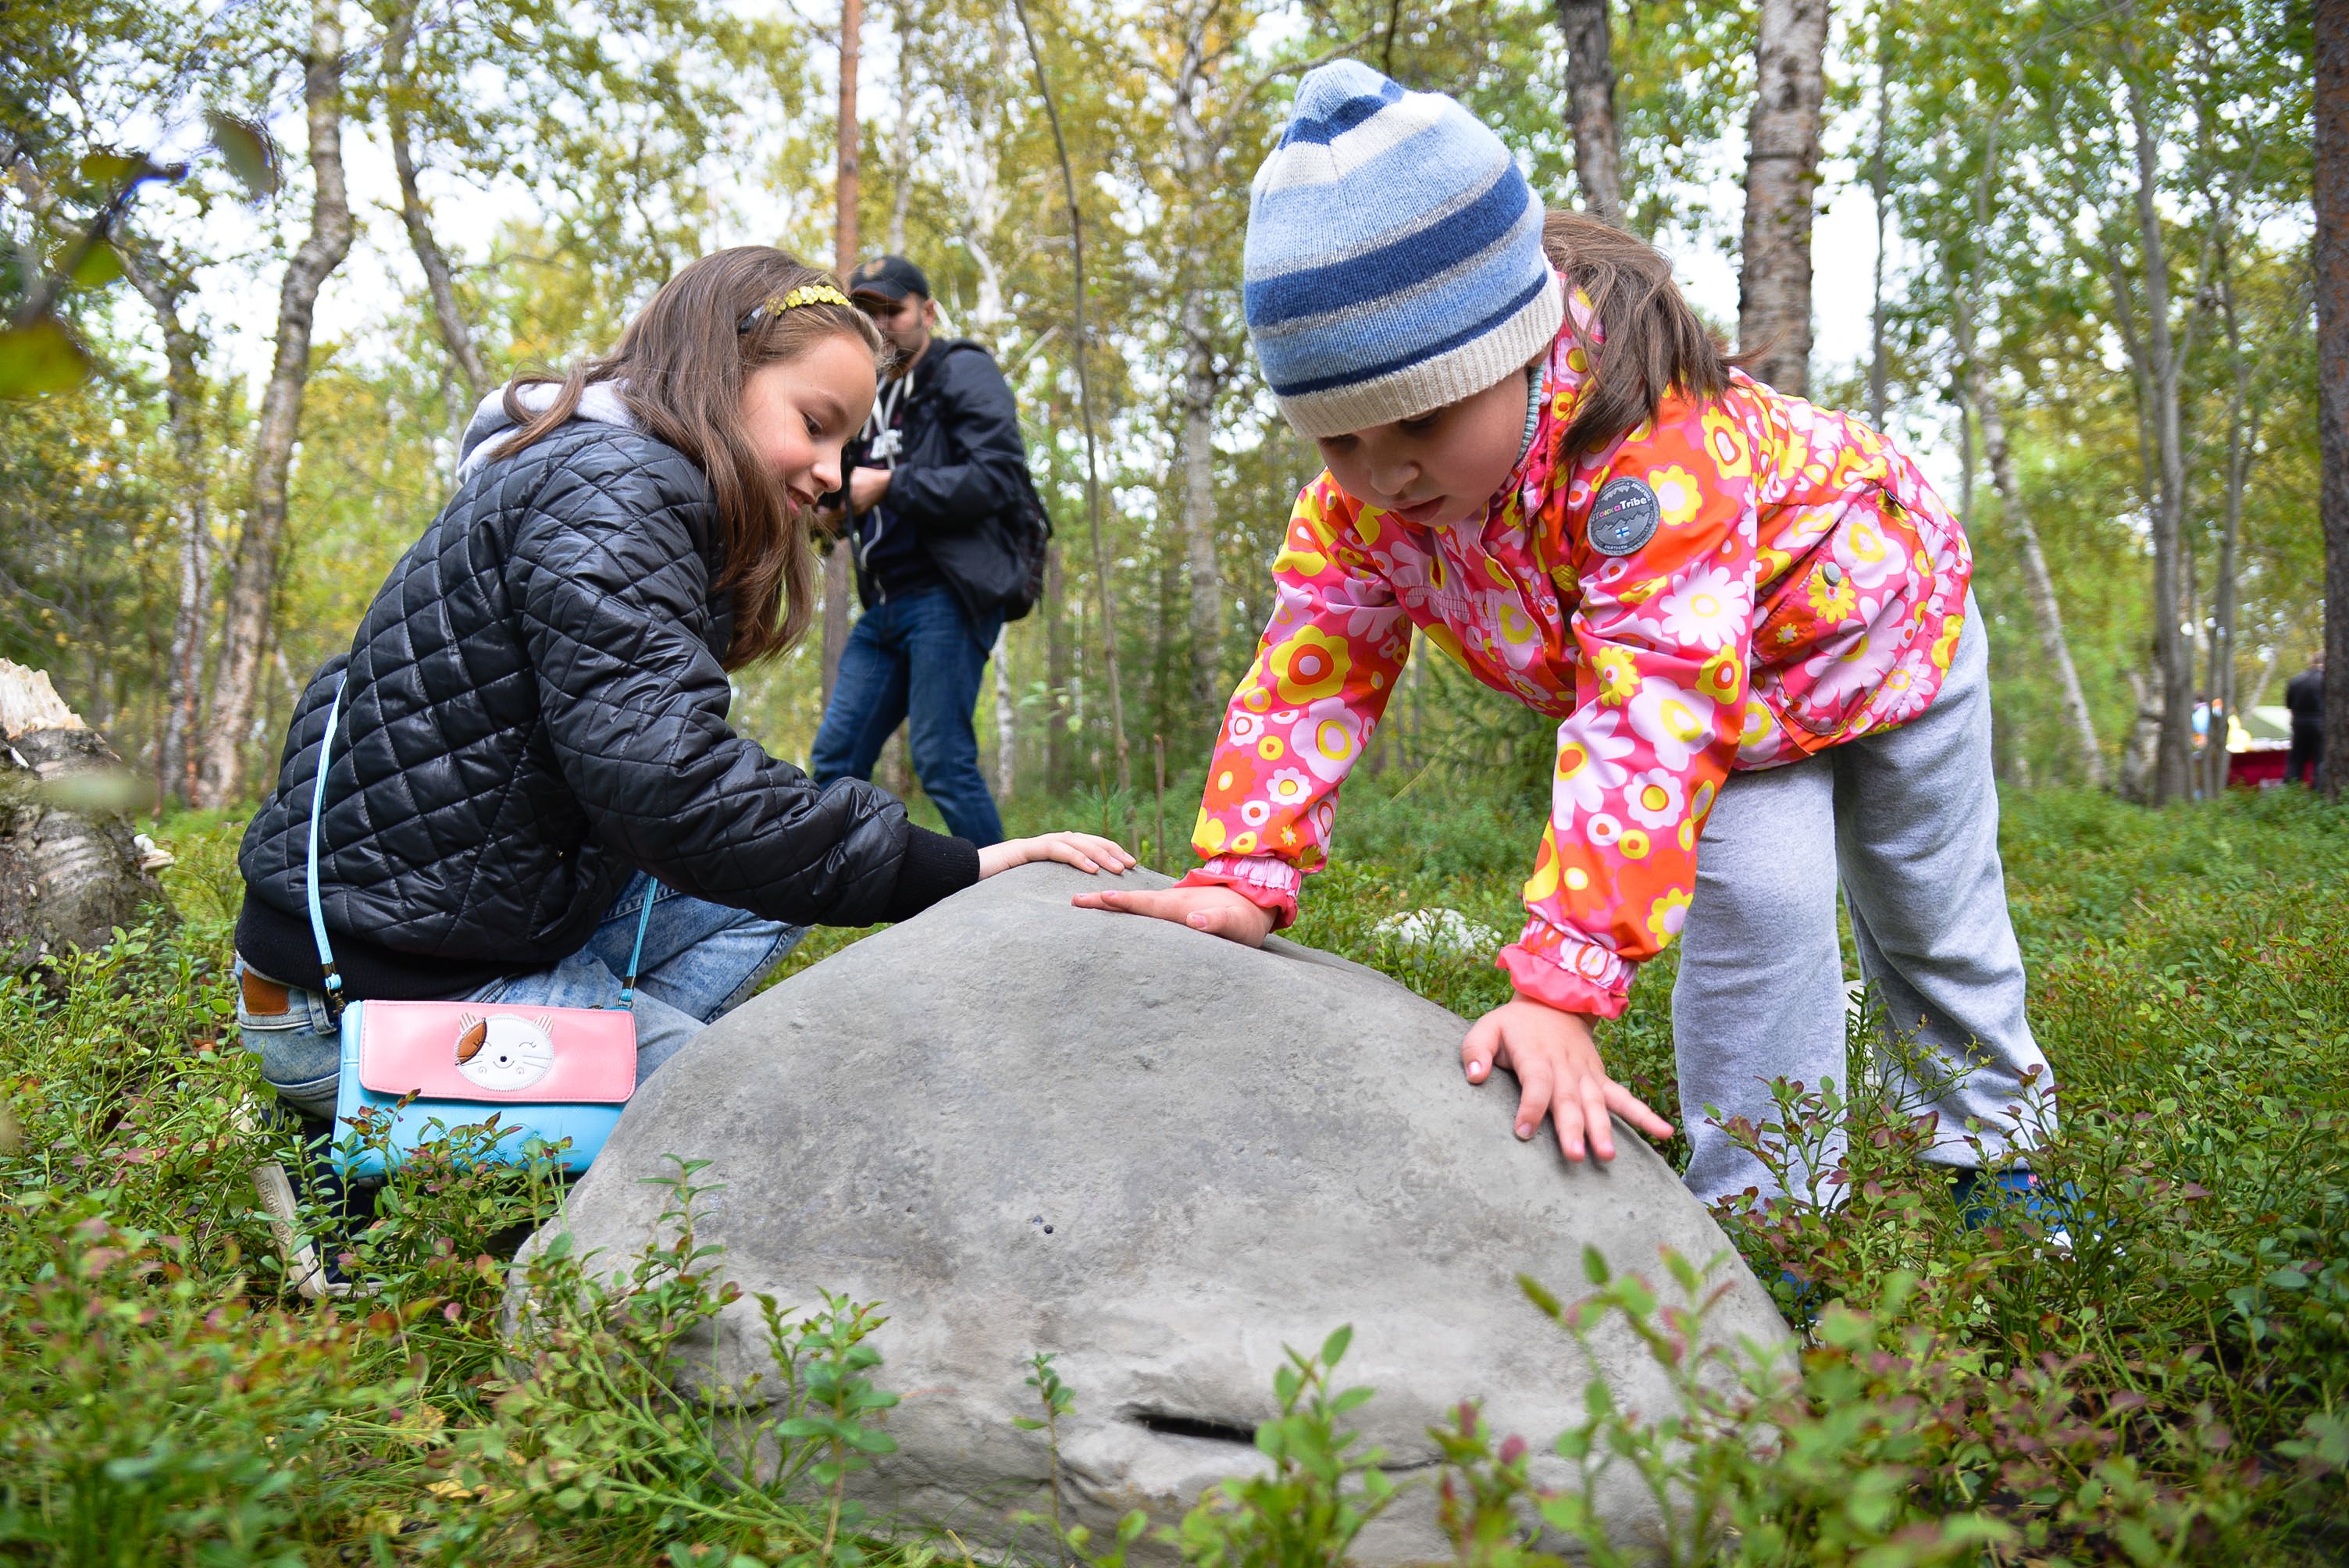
[504, 1051]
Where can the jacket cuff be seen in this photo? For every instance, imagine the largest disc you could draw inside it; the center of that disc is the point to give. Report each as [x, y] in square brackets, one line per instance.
[935, 866]
[1562, 970]
[1265, 881]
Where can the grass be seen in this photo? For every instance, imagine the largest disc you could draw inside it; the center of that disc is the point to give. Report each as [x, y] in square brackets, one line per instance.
[2173, 1388]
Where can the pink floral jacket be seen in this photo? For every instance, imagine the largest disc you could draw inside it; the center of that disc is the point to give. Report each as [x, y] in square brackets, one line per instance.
[1802, 586]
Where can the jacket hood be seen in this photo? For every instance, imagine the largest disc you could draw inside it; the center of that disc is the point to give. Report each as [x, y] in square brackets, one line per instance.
[600, 404]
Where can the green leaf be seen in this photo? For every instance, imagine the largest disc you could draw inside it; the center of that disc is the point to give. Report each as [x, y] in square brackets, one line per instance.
[112, 171]
[1334, 1349]
[1027, 1424]
[872, 1440]
[38, 359]
[250, 155]
[1594, 1266]
[101, 267]
[1541, 1298]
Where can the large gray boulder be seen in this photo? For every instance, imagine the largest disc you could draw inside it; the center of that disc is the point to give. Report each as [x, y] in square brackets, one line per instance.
[1163, 1156]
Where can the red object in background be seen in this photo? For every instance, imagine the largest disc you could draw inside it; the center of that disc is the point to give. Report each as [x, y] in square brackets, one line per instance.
[2256, 770]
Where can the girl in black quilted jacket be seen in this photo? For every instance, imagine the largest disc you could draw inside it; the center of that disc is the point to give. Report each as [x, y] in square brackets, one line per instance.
[531, 737]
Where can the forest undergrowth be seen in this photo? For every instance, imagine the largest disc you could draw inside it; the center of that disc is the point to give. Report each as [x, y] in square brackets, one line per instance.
[2167, 1384]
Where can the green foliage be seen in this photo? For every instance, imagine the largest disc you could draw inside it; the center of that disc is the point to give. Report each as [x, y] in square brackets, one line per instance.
[2169, 1386]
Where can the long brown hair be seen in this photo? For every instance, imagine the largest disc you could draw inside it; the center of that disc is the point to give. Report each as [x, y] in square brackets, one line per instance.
[1655, 344]
[681, 363]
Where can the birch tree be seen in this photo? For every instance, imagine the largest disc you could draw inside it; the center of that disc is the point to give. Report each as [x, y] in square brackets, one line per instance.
[469, 377]
[1774, 280]
[246, 628]
[1586, 28]
[166, 287]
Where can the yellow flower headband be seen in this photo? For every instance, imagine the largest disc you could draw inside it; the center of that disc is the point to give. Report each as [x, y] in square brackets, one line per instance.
[775, 305]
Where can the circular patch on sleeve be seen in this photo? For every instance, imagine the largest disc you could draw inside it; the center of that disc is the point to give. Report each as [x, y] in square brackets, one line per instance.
[1624, 517]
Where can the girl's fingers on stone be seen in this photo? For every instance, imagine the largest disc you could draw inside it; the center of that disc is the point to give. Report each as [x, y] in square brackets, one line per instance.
[1595, 1119]
[1636, 1112]
[1476, 1053]
[1565, 1121]
[1535, 1081]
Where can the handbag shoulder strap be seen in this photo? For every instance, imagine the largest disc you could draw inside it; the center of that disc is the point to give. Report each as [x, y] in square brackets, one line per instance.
[318, 915]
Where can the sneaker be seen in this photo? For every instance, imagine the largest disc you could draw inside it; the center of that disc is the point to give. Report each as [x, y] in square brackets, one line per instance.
[1802, 1298]
[1980, 1194]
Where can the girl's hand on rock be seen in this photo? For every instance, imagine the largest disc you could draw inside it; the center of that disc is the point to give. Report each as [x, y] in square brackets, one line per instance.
[1217, 911]
[1559, 1074]
[1086, 852]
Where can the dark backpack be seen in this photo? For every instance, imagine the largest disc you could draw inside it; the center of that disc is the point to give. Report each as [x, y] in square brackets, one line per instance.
[1031, 539]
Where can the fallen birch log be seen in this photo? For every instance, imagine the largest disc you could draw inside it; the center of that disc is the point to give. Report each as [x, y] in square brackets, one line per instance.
[70, 869]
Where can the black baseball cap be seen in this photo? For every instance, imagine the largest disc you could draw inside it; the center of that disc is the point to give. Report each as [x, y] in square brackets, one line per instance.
[891, 277]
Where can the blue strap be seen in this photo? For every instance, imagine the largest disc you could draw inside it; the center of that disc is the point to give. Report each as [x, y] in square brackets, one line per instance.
[318, 809]
[628, 987]
[318, 915]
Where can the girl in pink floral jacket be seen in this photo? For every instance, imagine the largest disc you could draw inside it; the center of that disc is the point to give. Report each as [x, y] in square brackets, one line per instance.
[1703, 579]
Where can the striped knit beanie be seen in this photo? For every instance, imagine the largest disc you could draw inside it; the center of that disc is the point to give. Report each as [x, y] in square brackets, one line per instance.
[1394, 257]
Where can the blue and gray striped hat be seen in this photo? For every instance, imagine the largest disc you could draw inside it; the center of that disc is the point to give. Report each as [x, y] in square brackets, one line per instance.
[1394, 256]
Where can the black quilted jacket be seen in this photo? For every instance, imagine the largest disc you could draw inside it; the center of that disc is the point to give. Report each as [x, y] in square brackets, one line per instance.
[535, 710]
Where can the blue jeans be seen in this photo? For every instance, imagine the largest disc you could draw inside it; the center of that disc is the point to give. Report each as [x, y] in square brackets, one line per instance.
[919, 658]
[702, 960]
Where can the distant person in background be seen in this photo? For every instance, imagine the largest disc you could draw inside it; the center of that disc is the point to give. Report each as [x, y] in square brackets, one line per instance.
[935, 508]
[2304, 695]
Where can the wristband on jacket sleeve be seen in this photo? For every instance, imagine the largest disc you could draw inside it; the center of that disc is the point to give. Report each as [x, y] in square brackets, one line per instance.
[1561, 970]
[934, 867]
[1265, 881]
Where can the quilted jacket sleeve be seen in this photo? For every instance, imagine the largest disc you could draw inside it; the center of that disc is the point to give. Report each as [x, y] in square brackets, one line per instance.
[1303, 713]
[1662, 634]
[988, 464]
[610, 583]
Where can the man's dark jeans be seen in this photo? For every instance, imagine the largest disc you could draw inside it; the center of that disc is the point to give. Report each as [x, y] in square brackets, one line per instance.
[2307, 756]
[918, 658]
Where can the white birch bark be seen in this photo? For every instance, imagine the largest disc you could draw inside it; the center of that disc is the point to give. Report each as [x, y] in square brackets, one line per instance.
[253, 581]
[1774, 290]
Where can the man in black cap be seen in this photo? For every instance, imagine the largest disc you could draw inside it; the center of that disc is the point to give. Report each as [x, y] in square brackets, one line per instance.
[945, 527]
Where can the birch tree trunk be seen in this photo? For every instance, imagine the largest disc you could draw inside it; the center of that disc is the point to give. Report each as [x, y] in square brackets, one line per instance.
[902, 21]
[2225, 594]
[838, 581]
[1773, 283]
[1102, 584]
[1202, 378]
[1880, 194]
[183, 404]
[70, 871]
[2045, 612]
[253, 584]
[2332, 269]
[983, 209]
[456, 337]
[2173, 766]
[1591, 107]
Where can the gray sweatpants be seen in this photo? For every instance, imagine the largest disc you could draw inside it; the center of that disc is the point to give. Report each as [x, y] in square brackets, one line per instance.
[1910, 819]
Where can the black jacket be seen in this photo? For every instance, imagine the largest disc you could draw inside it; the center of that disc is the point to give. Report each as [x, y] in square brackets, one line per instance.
[960, 476]
[2304, 695]
[535, 710]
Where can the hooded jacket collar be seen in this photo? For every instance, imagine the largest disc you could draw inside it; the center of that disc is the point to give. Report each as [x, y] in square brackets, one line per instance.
[601, 403]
